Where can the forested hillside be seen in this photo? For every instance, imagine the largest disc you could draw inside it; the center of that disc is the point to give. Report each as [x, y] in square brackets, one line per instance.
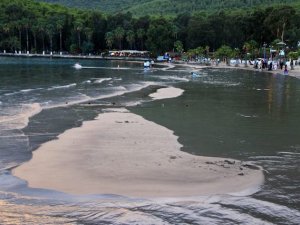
[109, 6]
[26, 25]
[166, 7]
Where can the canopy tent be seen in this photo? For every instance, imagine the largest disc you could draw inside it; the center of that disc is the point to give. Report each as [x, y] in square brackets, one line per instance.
[129, 53]
[281, 43]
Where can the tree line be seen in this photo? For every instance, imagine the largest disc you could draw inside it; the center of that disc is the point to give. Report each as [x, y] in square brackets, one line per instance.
[26, 25]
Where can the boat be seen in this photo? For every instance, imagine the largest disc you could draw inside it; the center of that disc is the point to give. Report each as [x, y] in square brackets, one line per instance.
[146, 64]
[194, 74]
[77, 66]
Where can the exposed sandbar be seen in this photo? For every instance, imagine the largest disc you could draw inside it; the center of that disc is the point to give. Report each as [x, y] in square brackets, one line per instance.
[168, 92]
[122, 153]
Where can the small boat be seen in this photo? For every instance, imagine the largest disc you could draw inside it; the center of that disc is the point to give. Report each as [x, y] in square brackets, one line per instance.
[146, 64]
[77, 66]
[194, 74]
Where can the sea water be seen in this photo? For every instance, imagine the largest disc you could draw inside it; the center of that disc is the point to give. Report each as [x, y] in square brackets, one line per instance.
[250, 116]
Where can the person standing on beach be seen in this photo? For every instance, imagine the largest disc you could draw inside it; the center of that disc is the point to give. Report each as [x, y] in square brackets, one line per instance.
[255, 64]
[281, 64]
[285, 72]
[270, 66]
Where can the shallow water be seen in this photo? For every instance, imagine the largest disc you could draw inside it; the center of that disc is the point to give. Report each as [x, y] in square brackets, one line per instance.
[244, 115]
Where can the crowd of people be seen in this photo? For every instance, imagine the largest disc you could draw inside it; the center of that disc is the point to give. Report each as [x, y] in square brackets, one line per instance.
[282, 64]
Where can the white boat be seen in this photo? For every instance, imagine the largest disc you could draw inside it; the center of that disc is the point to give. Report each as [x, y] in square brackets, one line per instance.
[77, 66]
[146, 64]
[194, 74]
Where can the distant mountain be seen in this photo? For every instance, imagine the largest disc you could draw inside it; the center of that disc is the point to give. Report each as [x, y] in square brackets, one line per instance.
[165, 7]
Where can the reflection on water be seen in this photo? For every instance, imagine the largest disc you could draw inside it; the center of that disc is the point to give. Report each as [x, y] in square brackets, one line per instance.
[245, 115]
[279, 94]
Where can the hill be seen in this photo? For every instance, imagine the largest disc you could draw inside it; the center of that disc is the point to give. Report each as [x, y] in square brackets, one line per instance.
[27, 25]
[165, 7]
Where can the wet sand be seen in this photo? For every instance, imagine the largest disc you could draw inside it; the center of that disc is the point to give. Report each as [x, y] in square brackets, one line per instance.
[196, 66]
[122, 153]
[168, 92]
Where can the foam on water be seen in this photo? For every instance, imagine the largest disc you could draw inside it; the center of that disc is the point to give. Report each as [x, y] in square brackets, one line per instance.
[246, 116]
[108, 68]
[99, 81]
[23, 91]
[108, 209]
[172, 78]
[168, 67]
[18, 119]
[112, 92]
[221, 83]
[62, 87]
[271, 211]
[264, 89]
[87, 82]
[288, 153]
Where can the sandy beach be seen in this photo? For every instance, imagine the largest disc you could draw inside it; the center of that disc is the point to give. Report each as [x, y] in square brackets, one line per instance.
[122, 153]
[196, 66]
[168, 92]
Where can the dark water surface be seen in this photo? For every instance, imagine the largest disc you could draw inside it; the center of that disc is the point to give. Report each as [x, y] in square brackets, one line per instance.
[245, 115]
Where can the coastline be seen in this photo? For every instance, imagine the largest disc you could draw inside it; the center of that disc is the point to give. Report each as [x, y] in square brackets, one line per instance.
[122, 153]
[293, 73]
[68, 56]
[255, 131]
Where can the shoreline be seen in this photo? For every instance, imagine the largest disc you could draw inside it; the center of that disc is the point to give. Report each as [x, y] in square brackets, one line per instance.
[58, 56]
[293, 73]
[122, 153]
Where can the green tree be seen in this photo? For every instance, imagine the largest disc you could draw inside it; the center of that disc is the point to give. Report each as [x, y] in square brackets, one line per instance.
[119, 33]
[60, 21]
[178, 46]
[140, 33]
[50, 31]
[175, 31]
[87, 47]
[200, 32]
[26, 25]
[41, 27]
[11, 43]
[130, 38]
[279, 20]
[35, 30]
[78, 27]
[294, 55]
[109, 38]
[196, 53]
[224, 53]
[160, 36]
[249, 47]
[27, 21]
[19, 26]
[89, 33]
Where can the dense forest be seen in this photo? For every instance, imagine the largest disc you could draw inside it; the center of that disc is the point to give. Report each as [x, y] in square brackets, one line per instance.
[28, 25]
[166, 7]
